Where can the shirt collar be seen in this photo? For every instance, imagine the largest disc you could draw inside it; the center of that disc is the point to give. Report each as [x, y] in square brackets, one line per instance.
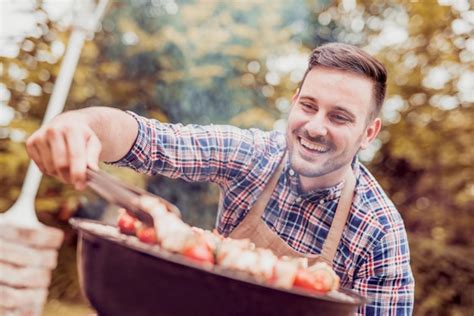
[328, 194]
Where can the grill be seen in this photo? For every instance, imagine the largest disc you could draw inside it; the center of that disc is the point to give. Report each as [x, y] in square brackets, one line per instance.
[121, 276]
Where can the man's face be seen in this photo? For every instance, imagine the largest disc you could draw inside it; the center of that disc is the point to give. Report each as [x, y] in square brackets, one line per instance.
[329, 122]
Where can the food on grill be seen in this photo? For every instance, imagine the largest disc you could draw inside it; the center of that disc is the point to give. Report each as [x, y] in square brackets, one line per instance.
[109, 259]
[127, 223]
[147, 235]
[318, 277]
[210, 248]
[198, 250]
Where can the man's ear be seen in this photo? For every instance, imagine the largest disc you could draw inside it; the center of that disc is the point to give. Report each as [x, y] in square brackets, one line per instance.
[371, 131]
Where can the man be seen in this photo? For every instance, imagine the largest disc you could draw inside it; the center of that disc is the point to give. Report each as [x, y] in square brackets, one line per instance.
[305, 191]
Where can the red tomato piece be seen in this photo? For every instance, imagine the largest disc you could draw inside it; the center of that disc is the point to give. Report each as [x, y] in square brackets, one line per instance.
[199, 252]
[304, 279]
[127, 224]
[147, 235]
[314, 281]
[323, 281]
[272, 278]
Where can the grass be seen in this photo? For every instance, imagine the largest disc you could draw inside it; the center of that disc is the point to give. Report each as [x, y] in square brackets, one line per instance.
[62, 308]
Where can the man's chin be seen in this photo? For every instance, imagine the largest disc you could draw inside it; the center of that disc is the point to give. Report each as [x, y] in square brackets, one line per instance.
[304, 167]
[313, 168]
[307, 161]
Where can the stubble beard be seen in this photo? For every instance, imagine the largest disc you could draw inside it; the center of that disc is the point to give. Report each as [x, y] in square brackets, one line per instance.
[310, 169]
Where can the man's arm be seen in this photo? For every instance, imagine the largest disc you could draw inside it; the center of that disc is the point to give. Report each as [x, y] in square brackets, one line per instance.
[386, 277]
[195, 153]
[75, 140]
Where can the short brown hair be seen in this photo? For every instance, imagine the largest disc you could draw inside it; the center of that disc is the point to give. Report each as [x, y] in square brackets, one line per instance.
[350, 58]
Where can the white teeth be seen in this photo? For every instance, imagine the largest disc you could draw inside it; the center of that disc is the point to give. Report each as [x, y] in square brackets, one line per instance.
[312, 146]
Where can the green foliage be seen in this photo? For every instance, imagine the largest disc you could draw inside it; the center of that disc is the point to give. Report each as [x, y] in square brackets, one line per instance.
[444, 276]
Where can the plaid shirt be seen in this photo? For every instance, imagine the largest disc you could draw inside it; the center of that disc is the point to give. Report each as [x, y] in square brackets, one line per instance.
[373, 256]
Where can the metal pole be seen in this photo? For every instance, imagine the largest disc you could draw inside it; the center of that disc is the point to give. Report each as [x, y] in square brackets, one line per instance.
[23, 211]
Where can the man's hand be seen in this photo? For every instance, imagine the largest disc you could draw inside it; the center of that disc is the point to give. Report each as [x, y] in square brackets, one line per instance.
[75, 140]
[65, 147]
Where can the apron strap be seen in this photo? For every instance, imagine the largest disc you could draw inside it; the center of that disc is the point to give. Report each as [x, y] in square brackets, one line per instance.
[250, 225]
[340, 218]
[259, 207]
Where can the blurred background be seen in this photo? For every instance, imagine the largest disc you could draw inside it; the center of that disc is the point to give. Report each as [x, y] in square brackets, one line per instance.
[238, 62]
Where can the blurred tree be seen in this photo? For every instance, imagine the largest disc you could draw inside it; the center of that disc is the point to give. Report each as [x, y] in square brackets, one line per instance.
[427, 157]
[197, 62]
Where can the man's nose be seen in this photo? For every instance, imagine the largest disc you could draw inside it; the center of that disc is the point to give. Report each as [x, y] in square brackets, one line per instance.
[317, 126]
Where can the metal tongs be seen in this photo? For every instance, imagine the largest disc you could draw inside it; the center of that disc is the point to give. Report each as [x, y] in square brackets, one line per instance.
[124, 195]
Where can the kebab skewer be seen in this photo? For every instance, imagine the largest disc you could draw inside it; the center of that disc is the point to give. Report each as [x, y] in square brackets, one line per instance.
[210, 248]
[156, 221]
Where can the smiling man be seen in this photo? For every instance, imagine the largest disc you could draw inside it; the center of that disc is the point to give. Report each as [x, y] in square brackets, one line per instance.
[301, 194]
[331, 119]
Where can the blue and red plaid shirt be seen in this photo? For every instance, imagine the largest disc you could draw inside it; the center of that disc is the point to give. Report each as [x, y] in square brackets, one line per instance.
[373, 256]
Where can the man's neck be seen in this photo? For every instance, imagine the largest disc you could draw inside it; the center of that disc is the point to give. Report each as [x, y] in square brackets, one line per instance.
[309, 184]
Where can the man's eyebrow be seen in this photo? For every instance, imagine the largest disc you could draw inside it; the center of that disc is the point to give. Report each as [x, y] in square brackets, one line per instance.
[309, 98]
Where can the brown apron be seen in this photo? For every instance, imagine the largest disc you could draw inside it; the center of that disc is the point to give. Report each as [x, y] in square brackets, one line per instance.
[254, 228]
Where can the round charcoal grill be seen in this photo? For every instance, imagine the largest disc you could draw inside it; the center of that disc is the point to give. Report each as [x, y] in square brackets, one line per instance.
[121, 276]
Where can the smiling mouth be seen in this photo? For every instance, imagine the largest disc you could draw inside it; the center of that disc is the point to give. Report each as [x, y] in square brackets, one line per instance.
[313, 147]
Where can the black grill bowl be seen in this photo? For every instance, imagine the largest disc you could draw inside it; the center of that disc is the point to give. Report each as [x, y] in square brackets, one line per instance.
[123, 278]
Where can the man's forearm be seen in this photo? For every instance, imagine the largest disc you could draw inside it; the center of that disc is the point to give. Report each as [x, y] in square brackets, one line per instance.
[115, 129]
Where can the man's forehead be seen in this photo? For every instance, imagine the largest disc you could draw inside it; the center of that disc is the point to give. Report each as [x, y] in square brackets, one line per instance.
[324, 74]
[342, 88]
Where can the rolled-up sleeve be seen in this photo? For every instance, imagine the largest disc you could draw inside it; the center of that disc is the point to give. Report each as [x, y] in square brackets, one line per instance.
[386, 278]
[189, 152]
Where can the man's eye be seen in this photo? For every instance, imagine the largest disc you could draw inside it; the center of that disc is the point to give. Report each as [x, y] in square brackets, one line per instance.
[307, 107]
[341, 118]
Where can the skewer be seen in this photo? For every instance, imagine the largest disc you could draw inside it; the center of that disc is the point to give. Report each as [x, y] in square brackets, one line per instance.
[124, 195]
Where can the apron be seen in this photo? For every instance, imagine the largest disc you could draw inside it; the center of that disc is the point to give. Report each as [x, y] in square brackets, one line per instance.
[254, 228]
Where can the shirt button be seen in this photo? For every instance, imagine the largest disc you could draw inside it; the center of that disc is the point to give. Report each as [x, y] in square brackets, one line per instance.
[321, 202]
[298, 199]
[291, 172]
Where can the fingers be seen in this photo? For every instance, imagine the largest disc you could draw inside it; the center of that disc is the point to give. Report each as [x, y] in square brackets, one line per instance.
[80, 158]
[93, 149]
[65, 150]
[37, 147]
[46, 156]
[34, 154]
[58, 154]
[76, 148]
